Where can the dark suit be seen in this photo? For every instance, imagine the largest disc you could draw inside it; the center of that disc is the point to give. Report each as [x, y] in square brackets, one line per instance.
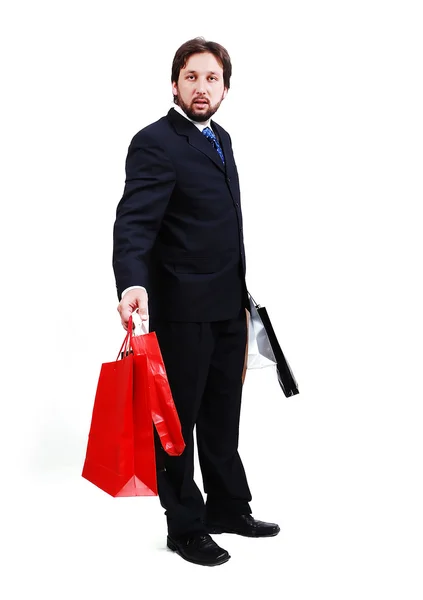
[178, 233]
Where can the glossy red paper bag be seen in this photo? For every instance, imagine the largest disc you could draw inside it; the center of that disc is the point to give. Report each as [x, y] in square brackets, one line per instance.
[120, 457]
[163, 410]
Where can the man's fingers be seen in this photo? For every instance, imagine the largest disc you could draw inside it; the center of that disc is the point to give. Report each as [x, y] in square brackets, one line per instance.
[125, 313]
[131, 301]
[143, 312]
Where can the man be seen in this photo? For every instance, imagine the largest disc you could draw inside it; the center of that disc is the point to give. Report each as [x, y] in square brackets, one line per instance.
[179, 258]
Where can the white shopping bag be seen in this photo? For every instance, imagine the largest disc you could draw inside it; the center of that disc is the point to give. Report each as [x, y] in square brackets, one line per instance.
[260, 353]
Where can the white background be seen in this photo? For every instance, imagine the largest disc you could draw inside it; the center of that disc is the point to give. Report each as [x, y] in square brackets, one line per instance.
[325, 114]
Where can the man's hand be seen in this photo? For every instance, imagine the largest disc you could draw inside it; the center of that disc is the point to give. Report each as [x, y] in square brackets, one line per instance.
[136, 298]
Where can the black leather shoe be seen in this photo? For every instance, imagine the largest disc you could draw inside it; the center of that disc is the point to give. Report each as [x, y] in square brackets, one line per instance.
[242, 525]
[199, 549]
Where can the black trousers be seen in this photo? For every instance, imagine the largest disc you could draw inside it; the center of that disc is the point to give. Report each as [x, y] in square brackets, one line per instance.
[204, 363]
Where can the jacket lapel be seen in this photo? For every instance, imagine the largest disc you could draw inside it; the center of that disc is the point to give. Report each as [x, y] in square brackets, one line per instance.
[225, 145]
[195, 138]
[231, 175]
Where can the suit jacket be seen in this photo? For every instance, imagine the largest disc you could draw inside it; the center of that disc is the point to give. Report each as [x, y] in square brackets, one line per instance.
[178, 229]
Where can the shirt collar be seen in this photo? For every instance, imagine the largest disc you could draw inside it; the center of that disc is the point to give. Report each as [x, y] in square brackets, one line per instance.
[199, 126]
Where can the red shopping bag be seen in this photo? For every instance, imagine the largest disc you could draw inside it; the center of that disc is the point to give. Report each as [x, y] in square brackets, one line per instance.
[120, 457]
[163, 410]
[132, 393]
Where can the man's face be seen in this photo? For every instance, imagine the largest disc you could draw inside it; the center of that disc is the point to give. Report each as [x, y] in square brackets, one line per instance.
[200, 88]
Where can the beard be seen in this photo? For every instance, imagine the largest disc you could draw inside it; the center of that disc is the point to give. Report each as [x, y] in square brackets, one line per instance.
[193, 113]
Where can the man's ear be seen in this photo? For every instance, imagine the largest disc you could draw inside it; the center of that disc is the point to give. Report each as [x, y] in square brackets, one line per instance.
[174, 88]
[225, 91]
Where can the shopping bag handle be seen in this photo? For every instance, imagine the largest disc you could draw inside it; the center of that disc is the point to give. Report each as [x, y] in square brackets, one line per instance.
[127, 342]
[134, 322]
[254, 302]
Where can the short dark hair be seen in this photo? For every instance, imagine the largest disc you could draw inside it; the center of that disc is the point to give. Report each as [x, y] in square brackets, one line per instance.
[199, 45]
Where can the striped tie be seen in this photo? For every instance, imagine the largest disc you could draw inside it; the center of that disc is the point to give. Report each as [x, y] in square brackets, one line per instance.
[213, 140]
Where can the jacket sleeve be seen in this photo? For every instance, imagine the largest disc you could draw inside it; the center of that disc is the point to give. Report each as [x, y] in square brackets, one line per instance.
[150, 179]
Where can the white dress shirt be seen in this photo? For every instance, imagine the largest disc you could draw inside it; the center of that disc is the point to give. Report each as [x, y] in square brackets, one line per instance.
[199, 126]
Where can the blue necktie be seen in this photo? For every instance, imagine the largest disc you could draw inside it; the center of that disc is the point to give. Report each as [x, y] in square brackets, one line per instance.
[213, 140]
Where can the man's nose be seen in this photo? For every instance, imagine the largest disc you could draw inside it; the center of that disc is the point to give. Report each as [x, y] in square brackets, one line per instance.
[201, 86]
